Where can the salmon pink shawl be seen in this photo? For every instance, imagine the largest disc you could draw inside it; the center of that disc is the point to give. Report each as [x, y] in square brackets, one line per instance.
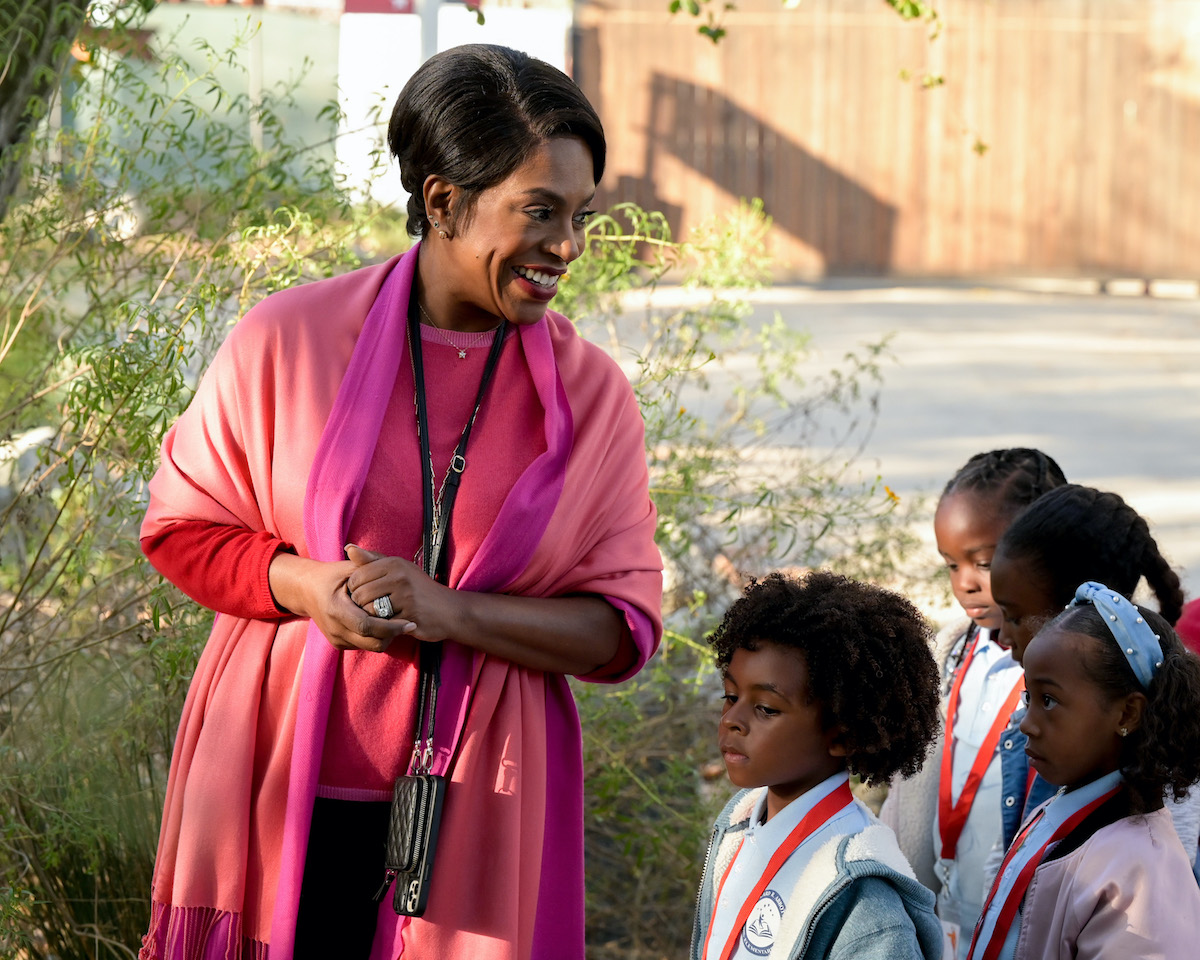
[279, 438]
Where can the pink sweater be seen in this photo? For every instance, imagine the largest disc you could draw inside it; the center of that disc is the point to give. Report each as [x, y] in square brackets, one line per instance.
[225, 568]
[1127, 892]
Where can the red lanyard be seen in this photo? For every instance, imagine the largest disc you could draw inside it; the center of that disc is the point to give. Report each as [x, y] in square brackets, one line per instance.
[810, 824]
[952, 817]
[1009, 910]
[1029, 779]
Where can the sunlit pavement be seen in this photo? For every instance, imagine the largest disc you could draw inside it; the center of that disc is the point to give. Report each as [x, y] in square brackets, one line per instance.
[1107, 385]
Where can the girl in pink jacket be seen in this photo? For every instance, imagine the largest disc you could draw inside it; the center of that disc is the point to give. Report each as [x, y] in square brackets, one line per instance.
[1113, 720]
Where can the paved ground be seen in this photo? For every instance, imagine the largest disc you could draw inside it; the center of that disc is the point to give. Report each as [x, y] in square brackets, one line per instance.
[1109, 386]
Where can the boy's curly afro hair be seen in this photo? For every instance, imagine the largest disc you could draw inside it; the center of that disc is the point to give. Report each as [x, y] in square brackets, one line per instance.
[868, 656]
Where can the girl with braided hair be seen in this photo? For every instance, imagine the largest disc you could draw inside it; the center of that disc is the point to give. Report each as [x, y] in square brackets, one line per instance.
[1071, 535]
[1113, 719]
[1077, 534]
[948, 816]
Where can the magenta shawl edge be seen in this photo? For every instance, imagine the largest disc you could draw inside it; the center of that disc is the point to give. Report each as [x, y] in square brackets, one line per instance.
[335, 482]
[198, 933]
[338, 474]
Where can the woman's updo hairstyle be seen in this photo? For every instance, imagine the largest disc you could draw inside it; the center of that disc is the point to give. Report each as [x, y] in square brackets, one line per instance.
[473, 114]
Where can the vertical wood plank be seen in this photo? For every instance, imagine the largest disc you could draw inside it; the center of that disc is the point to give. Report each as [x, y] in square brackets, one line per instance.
[1090, 109]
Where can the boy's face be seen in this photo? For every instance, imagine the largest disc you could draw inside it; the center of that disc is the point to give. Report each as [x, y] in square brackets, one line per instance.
[771, 733]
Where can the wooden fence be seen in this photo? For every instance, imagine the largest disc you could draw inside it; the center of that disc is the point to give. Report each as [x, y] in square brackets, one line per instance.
[1065, 138]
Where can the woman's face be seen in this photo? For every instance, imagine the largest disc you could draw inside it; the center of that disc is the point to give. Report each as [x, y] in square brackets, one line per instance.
[508, 254]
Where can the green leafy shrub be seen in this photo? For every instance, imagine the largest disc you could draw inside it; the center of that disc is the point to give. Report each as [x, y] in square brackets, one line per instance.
[739, 492]
[137, 234]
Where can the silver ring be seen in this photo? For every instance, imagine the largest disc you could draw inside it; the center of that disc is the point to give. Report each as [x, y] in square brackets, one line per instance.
[383, 608]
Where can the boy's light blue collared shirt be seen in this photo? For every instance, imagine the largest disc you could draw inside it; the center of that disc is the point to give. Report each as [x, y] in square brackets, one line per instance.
[761, 842]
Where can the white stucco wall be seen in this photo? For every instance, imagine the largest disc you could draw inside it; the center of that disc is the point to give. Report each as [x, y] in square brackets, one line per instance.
[379, 52]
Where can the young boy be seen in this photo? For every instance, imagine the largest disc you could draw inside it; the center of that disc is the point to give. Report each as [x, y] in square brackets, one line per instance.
[823, 676]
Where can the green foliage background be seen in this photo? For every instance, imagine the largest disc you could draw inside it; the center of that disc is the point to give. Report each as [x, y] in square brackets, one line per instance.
[136, 235]
[715, 11]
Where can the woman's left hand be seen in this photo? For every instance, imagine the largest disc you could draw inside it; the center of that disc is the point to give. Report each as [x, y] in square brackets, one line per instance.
[570, 634]
[416, 598]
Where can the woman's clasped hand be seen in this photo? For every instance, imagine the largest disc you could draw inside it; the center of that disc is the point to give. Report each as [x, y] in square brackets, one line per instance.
[422, 606]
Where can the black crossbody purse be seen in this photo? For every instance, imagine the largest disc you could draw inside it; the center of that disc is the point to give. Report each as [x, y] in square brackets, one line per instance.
[418, 797]
[416, 814]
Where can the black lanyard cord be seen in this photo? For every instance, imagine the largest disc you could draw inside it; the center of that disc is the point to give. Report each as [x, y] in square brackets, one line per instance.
[436, 516]
[436, 521]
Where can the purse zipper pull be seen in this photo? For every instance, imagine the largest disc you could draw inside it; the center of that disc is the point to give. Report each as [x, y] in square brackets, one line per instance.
[388, 877]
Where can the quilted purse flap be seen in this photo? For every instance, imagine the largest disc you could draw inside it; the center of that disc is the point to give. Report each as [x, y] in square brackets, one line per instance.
[406, 832]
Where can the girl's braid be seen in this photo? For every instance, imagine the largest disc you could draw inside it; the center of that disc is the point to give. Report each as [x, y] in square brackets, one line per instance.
[1132, 544]
[1074, 534]
[1163, 581]
[1014, 477]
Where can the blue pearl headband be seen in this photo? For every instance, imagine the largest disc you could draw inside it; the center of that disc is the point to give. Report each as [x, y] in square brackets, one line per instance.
[1137, 641]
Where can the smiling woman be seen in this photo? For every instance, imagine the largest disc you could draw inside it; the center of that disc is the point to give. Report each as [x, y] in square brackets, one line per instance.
[503, 255]
[503, 180]
[410, 484]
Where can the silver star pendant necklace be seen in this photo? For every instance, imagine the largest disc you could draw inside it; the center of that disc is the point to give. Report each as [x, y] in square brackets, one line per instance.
[462, 348]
